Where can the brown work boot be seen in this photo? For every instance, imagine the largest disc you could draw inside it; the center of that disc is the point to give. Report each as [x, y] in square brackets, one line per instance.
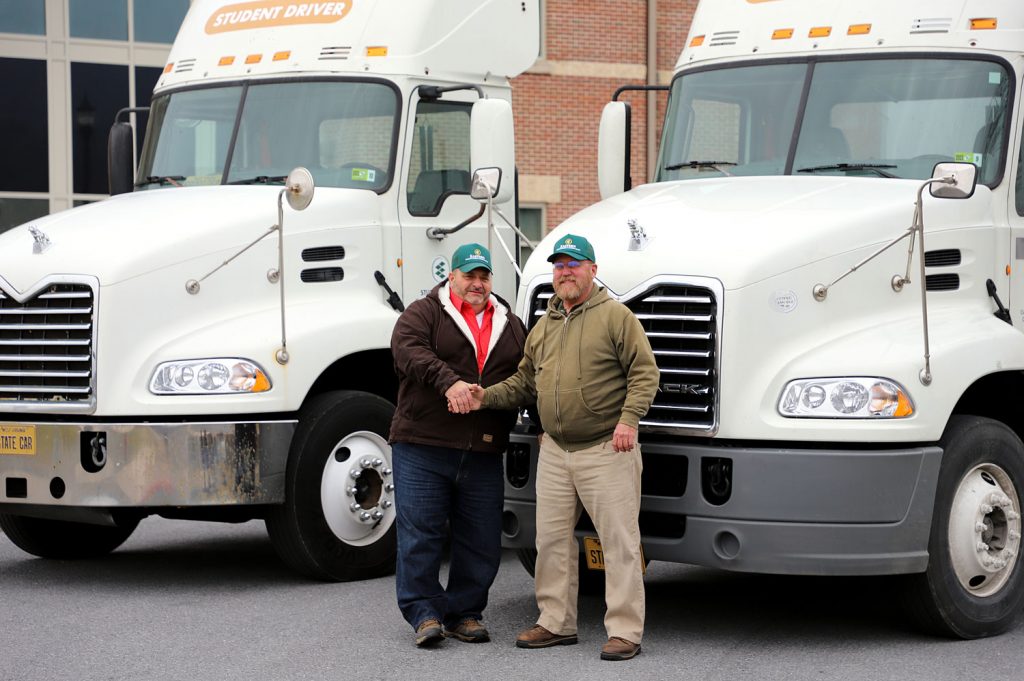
[470, 631]
[617, 649]
[428, 633]
[539, 637]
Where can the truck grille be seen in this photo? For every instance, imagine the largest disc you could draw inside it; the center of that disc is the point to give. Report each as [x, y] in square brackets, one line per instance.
[46, 346]
[681, 324]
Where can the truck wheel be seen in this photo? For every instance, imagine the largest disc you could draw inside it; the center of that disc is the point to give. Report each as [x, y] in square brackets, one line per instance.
[338, 519]
[591, 581]
[974, 585]
[65, 540]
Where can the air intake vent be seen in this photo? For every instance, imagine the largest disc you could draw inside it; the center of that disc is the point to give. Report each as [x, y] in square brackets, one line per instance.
[724, 38]
[939, 25]
[184, 65]
[46, 351]
[336, 52]
[947, 257]
[321, 275]
[321, 253]
[680, 322]
[942, 282]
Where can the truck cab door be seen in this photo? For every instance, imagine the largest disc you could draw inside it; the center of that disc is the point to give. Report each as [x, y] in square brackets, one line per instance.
[1014, 298]
[435, 194]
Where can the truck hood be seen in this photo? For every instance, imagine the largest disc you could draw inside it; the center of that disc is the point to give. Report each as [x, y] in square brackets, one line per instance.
[132, 234]
[741, 230]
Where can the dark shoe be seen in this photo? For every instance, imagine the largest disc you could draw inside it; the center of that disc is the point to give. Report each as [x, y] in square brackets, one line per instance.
[619, 649]
[470, 631]
[539, 637]
[428, 633]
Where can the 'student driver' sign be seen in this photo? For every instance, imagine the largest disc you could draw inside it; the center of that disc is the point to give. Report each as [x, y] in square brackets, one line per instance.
[266, 13]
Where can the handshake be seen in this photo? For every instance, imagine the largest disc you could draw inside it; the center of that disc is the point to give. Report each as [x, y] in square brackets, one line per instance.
[464, 397]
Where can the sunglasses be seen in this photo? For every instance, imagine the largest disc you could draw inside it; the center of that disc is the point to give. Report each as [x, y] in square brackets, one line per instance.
[571, 264]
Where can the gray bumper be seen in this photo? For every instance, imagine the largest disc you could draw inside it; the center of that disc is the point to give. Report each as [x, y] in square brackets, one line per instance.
[790, 511]
[146, 465]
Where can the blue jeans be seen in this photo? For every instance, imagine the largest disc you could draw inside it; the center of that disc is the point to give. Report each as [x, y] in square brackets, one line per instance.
[437, 488]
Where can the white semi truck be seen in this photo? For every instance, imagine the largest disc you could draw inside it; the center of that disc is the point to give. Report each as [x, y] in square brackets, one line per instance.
[195, 347]
[841, 374]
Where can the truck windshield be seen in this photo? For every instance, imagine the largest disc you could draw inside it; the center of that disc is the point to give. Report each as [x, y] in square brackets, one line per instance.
[343, 132]
[872, 117]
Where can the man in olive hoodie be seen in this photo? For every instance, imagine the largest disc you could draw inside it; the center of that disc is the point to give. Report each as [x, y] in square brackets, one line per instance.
[590, 367]
[448, 468]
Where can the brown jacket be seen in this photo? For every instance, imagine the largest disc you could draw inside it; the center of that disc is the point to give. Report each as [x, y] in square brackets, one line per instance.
[433, 348]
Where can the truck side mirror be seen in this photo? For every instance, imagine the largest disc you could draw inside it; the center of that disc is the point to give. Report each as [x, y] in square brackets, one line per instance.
[492, 145]
[120, 159]
[960, 180]
[486, 182]
[613, 150]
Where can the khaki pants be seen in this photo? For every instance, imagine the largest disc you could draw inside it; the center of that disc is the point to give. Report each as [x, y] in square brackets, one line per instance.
[607, 484]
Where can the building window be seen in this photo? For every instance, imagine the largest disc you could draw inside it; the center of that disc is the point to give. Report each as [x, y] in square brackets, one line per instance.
[14, 212]
[98, 92]
[23, 127]
[157, 21]
[531, 222]
[23, 16]
[439, 166]
[98, 19]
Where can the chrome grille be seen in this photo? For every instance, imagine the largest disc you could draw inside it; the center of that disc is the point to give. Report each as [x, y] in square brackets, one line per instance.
[681, 325]
[46, 346]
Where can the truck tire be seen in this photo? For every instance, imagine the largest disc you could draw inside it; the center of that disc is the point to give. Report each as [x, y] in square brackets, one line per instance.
[65, 540]
[338, 519]
[974, 584]
[591, 581]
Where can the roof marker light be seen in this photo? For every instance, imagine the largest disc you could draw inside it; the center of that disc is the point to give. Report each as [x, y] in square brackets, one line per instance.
[782, 34]
[281, 56]
[820, 32]
[377, 51]
[859, 29]
[697, 41]
[167, 69]
[253, 59]
[984, 24]
[226, 61]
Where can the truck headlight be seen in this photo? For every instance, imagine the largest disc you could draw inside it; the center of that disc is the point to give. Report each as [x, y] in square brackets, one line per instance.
[846, 397]
[217, 376]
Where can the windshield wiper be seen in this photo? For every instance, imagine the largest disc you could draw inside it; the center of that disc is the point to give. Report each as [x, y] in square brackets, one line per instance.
[161, 180]
[261, 179]
[873, 167]
[714, 165]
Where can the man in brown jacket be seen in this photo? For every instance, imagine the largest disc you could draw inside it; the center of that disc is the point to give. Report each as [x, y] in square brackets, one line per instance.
[591, 369]
[448, 468]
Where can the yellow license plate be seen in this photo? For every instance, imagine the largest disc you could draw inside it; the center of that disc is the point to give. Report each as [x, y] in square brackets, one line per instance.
[18, 439]
[594, 556]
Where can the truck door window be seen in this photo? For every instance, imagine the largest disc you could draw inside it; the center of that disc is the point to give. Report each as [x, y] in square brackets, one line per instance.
[439, 166]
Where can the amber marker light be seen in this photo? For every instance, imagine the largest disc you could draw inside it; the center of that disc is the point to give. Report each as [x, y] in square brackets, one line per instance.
[820, 32]
[986, 24]
[782, 34]
[377, 51]
[253, 59]
[858, 29]
[226, 61]
[697, 41]
[167, 69]
[281, 56]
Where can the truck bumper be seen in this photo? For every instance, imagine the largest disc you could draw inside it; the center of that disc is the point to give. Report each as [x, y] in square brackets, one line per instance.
[110, 465]
[765, 510]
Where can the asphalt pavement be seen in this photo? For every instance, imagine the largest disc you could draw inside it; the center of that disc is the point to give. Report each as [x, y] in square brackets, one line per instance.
[189, 601]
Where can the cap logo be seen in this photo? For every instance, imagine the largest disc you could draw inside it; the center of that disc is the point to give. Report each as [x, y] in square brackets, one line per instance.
[568, 242]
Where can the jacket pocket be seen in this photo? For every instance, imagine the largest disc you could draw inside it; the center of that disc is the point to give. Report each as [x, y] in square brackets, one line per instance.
[580, 423]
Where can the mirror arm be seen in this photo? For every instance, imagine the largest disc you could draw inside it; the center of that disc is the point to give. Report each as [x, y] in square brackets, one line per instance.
[431, 92]
[439, 233]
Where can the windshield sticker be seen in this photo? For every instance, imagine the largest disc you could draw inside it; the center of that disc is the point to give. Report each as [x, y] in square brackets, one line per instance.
[994, 78]
[364, 174]
[967, 157]
[439, 268]
[784, 301]
[267, 13]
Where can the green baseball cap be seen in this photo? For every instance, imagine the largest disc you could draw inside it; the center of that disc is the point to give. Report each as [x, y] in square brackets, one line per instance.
[576, 246]
[469, 257]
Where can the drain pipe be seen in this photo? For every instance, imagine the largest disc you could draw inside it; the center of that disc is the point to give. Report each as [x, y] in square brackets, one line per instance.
[652, 79]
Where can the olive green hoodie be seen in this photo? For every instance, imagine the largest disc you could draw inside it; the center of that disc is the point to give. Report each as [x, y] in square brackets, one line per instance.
[588, 371]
